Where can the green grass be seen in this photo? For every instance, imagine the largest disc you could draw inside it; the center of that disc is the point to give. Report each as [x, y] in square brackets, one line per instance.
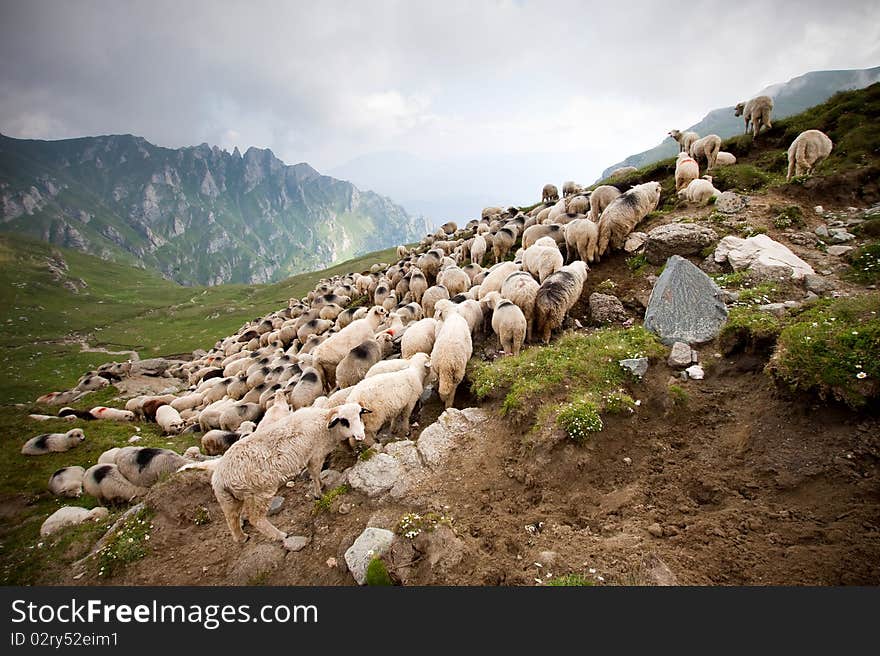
[578, 369]
[678, 394]
[569, 580]
[130, 542]
[787, 217]
[377, 573]
[832, 349]
[749, 327]
[865, 264]
[580, 419]
[326, 501]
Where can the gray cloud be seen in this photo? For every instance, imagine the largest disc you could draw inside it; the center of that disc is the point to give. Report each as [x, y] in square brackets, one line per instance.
[327, 82]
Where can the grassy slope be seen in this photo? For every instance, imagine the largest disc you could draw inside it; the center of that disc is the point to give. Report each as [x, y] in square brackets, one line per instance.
[122, 308]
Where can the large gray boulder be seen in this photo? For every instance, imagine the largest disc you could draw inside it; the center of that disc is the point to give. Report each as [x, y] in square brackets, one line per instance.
[438, 439]
[376, 475]
[685, 305]
[677, 239]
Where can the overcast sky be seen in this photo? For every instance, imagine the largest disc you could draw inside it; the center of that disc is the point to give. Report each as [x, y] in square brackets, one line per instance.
[325, 82]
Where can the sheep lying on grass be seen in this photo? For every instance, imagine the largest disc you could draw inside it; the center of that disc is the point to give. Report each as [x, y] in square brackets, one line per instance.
[107, 484]
[53, 442]
[67, 482]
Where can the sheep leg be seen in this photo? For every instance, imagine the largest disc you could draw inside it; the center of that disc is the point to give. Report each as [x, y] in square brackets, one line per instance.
[231, 508]
[314, 466]
[405, 416]
[256, 508]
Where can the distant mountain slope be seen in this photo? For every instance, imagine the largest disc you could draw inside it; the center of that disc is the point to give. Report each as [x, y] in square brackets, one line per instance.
[198, 215]
[789, 98]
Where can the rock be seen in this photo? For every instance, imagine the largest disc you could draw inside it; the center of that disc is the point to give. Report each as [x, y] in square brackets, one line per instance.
[685, 305]
[818, 209]
[638, 367]
[762, 256]
[658, 572]
[330, 478]
[605, 308]
[372, 543]
[376, 475]
[443, 435]
[730, 202]
[634, 241]
[817, 284]
[70, 516]
[295, 542]
[839, 250]
[681, 355]
[841, 236]
[677, 239]
[776, 309]
[695, 372]
[275, 506]
[406, 453]
[656, 530]
[822, 231]
[709, 265]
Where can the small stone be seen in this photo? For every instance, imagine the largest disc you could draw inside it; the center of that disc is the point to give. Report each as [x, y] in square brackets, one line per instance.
[695, 372]
[344, 508]
[372, 543]
[605, 308]
[627, 460]
[638, 367]
[275, 506]
[816, 283]
[680, 356]
[776, 309]
[841, 236]
[822, 231]
[548, 557]
[839, 250]
[819, 210]
[656, 530]
[634, 241]
[295, 542]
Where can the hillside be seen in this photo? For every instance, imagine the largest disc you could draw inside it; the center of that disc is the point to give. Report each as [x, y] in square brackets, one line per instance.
[199, 216]
[53, 300]
[789, 98]
[562, 468]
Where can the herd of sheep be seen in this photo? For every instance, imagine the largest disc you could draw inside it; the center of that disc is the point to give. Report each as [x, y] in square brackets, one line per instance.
[362, 351]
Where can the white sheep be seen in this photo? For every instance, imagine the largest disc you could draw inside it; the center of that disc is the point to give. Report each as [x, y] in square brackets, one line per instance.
[684, 139]
[455, 280]
[391, 397]
[113, 414]
[144, 466]
[549, 194]
[686, 169]
[570, 188]
[542, 258]
[53, 442]
[308, 388]
[496, 276]
[107, 484]
[624, 213]
[449, 357]
[279, 409]
[700, 191]
[578, 205]
[706, 148]
[354, 366]
[757, 112]
[600, 199]
[328, 354]
[556, 296]
[508, 322]
[503, 241]
[582, 238]
[725, 159]
[478, 249]
[249, 474]
[419, 338]
[384, 367]
[807, 151]
[169, 420]
[622, 171]
[71, 516]
[67, 482]
[430, 298]
[235, 415]
[520, 288]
